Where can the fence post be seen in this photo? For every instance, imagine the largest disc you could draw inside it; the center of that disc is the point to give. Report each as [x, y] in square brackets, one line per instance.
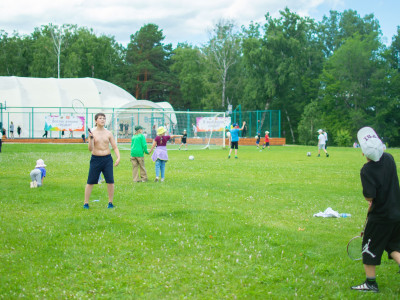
[33, 122]
[188, 123]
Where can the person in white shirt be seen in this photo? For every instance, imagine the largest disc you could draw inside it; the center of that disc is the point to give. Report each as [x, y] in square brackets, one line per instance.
[326, 138]
[321, 143]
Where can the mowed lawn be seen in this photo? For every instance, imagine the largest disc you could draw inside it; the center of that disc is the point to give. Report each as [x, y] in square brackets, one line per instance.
[215, 229]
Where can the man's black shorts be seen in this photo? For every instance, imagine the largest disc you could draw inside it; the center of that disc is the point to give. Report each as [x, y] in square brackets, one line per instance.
[234, 145]
[379, 237]
[101, 164]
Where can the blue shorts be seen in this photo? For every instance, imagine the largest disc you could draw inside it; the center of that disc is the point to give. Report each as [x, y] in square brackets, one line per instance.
[101, 164]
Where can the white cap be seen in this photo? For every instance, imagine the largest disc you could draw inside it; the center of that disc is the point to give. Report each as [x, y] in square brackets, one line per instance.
[319, 130]
[40, 163]
[370, 144]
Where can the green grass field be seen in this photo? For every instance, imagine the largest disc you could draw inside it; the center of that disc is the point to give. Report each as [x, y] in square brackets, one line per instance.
[215, 229]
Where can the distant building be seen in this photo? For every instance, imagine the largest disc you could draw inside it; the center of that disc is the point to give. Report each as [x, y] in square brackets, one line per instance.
[29, 100]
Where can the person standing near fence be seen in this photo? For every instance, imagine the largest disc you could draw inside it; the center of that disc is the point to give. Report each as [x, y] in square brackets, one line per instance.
[194, 130]
[11, 130]
[326, 139]
[244, 132]
[153, 132]
[19, 129]
[235, 138]
[321, 143]
[266, 141]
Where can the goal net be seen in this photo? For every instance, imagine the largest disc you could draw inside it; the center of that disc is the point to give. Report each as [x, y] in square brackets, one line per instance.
[205, 130]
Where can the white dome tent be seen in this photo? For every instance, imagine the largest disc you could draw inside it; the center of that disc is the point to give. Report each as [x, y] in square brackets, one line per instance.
[29, 100]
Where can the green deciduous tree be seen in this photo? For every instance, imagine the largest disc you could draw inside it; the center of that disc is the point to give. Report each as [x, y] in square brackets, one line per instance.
[348, 89]
[287, 66]
[222, 52]
[15, 54]
[188, 66]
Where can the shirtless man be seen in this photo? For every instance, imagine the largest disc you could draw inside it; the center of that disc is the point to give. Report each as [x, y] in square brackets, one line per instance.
[101, 161]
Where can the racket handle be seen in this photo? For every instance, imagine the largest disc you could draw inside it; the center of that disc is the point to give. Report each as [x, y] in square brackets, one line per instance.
[89, 130]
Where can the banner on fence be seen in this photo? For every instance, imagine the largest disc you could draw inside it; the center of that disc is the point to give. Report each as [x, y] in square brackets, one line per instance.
[64, 123]
[212, 123]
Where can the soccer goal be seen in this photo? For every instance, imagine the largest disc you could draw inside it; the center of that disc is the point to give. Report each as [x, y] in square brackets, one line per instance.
[205, 130]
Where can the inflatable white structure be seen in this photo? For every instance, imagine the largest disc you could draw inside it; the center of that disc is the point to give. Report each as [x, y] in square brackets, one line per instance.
[29, 100]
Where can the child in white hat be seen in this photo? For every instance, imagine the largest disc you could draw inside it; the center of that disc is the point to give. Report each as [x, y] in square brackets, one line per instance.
[38, 174]
[266, 142]
[321, 142]
[381, 190]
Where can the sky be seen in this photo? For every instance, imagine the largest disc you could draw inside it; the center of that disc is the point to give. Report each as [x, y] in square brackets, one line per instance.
[180, 20]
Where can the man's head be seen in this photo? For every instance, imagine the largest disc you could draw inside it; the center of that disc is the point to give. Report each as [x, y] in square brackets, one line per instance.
[370, 144]
[100, 116]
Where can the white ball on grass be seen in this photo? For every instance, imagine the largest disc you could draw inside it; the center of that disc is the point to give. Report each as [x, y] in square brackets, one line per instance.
[191, 157]
[308, 153]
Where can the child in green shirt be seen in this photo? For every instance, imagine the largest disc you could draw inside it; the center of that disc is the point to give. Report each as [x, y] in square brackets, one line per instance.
[138, 148]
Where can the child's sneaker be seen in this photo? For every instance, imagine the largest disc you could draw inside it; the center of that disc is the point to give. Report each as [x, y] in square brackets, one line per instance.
[162, 179]
[86, 206]
[236, 157]
[156, 180]
[32, 185]
[318, 155]
[229, 156]
[367, 287]
[35, 184]
[110, 205]
[327, 155]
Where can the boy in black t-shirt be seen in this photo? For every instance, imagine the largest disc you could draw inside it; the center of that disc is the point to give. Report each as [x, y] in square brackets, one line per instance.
[183, 140]
[381, 190]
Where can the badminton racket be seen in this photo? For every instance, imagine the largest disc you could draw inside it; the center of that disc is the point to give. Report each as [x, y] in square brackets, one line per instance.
[79, 108]
[354, 246]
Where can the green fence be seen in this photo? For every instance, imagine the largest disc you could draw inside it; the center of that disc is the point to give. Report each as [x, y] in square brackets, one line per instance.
[259, 121]
[32, 119]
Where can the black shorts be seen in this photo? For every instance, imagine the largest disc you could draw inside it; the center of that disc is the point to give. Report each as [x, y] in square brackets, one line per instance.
[183, 141]
[234, 145]
[101, 164]
[379, 237]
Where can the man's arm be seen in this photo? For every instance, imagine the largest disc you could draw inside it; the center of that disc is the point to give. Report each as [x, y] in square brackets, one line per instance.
[144, 145]
[153, 146]
[244, 123]
[91, 141]
[369, 203]
[115, 148]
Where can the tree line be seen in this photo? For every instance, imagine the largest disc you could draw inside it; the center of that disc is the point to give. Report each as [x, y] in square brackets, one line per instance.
[335, 74]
